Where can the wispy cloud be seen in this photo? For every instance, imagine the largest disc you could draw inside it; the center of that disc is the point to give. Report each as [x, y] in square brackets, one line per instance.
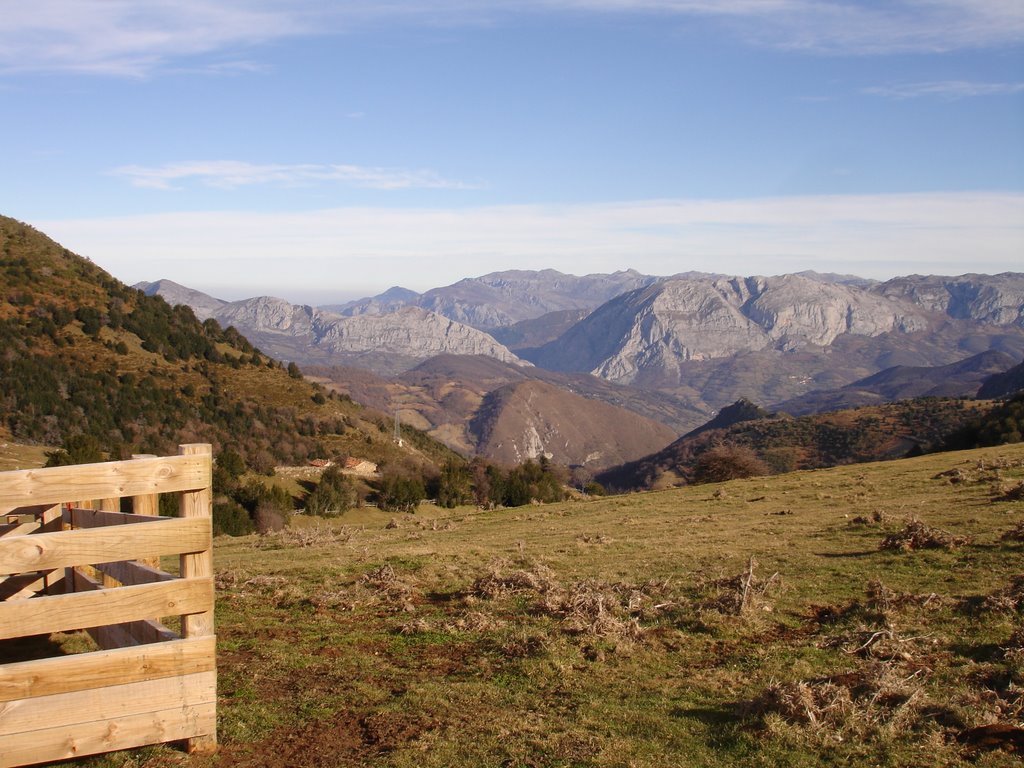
[347, 248]
[229, 174]
[950, 90]
[137, 37]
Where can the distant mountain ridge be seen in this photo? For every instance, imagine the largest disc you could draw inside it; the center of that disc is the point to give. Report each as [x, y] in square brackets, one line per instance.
[702, 340]
[387, 343]
[501, 299]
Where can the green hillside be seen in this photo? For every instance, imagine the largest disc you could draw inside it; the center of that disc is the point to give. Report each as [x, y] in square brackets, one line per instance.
[81, 354]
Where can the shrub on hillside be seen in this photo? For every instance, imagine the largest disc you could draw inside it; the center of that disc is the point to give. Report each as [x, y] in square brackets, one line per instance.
[728, 462]
[231, 519]
[333, 495]
[400, 494]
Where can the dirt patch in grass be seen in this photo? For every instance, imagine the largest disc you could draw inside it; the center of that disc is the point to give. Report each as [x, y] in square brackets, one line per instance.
[339, 741]
[1014, 534]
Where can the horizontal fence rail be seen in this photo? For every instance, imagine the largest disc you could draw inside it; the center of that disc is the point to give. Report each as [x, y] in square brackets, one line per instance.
[70, 560]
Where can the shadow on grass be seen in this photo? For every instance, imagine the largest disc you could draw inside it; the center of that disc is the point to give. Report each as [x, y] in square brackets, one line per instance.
[724, 725]
[980, 652]
[837, 555]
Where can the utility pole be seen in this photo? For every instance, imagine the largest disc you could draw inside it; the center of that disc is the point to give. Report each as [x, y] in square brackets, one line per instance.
[398, 428]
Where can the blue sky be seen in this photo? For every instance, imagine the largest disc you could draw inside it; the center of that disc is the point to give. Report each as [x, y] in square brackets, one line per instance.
[323, 150]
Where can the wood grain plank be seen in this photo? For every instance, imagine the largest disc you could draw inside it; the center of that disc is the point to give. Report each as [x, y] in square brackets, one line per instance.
[53, 485]
[82, 671]
[125, 634]
[130, 572]
[112, 702]
[97, 518]
[58, 613]
[46, 551]
[62, 743]
[197, 505]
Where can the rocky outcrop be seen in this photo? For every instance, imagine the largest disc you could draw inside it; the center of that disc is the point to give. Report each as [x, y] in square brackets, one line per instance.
[675, 321]
[990, 299]
[384, 343]
[411, 332]
[267, 314]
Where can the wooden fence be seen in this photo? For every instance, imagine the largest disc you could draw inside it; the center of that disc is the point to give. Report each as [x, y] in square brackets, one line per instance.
[70, 560]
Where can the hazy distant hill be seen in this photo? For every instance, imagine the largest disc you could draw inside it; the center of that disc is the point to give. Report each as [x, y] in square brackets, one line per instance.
[532, 419]
[504, 298]
[83, 354]
[529, 335]
[203, 305]
[1004, 384]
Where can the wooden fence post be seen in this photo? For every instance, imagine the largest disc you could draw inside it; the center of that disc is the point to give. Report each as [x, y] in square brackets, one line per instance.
[198, 503]
[148, 504]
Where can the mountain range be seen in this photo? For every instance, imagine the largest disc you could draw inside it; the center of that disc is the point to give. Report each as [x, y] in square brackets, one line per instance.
[673, 350]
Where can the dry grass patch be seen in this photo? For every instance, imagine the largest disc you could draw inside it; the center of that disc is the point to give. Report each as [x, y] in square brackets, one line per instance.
[504, 578]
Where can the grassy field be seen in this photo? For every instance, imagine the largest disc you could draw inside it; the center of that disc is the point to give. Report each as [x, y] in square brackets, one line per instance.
[758, 623]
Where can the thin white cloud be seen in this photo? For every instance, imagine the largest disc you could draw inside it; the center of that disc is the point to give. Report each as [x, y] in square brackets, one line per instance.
[230, 174]
[137, 37]
[949, 90]
[371, 248]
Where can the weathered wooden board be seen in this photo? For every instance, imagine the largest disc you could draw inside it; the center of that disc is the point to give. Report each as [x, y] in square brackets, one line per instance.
[53, 485]
[59, 613]
[197, 505]
[98, 736]
[61, 549]
[83, 671]
[112, 702]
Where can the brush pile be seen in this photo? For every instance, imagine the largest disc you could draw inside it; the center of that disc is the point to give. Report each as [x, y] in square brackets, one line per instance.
[916, 535]
[744, 593]
[848, 705]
